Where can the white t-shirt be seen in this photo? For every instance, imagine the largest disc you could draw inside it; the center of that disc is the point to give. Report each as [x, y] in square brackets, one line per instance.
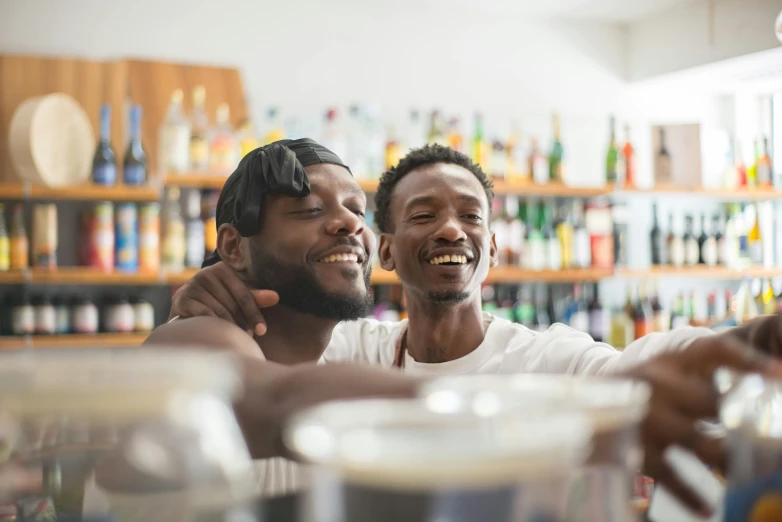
[507, 348]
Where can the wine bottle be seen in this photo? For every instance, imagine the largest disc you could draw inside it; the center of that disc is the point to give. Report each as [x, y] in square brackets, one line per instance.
[691, 250]
[709, 244]
[612, 157]
[134, 170]
[676, 255]
[663, 161]
[657, 240]
[199, 123]
[556, 158]
[720, 240]
[629, 160]
[764, 166]
[104, 163]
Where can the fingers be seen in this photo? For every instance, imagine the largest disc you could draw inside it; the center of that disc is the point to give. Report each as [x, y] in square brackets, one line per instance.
[203, 304]
[265, 298]
[691, 396]
[240, 293]
[766, 334]
[665, 426]
[706, 354]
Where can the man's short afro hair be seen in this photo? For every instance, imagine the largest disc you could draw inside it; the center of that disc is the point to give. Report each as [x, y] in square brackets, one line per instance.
[417, 158]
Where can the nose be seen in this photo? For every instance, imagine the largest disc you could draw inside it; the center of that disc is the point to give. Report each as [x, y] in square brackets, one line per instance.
[345, 223]
[450, 230]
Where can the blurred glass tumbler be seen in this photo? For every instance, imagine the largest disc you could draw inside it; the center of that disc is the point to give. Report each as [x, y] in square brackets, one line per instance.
[390, 461]
[601, 490]
[152, 434]
[751, 412]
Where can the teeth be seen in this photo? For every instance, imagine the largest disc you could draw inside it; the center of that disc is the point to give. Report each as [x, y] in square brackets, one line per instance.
[334, 258]
[448, 259]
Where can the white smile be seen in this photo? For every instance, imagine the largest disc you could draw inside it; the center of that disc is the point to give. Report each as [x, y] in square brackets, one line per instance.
[454, 260]
[339, 258]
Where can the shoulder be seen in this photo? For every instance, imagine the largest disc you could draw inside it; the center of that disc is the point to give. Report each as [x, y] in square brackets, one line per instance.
[365, 340]
[203, 332]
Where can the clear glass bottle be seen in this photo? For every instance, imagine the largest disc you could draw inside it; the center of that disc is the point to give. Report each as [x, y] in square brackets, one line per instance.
[199, 130]
[175, 138]
[173, 247]
[223, 146]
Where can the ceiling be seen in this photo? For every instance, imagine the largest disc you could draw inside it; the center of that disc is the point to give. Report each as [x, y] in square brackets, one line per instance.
[621, 11]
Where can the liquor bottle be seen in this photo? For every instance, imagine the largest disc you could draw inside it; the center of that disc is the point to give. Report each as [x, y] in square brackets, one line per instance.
[678, 313]
[730, 176]
[643, 317]
[393, 147]
[199, 128]
[657, 240]
[537, 164]
[769, 305]
[19, 243]
[553, 247]
[455, 137]
[134, 167]
[175, 138]
[5, 244]
[375, 141]
[628, 311]
[582, 245]
[543, 318]
[741, 168]
[104, 163]
[612, 157]
[525, 308]
[764, 170]
[620, 217]
[247, 138]
[498, 161]
[173, 244]
[755, 239]
[333, 137]
[662, 163]
[500, 229]
[662, 318]
[752, 170]
[436, 134]
[556, 157]
[565, 234]
[480, 151]
[536, 245]
[515, 230]
[708, 245]
[579, 318]
[720, 240]
[274, 130]
[691, 249]
[742, 228]
[628, 152]
[599, 317]
[676, 252]
[515, 157]
[224, 147]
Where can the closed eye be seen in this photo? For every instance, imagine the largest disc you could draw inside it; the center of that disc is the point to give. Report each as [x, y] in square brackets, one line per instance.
[308, 211]
[473, 217]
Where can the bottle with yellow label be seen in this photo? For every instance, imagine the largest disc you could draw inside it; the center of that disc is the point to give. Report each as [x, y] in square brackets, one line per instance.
[5, 245]
[19, 247]
[199, 127]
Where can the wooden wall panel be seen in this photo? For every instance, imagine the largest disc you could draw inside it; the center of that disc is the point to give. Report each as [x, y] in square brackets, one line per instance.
[118, 83]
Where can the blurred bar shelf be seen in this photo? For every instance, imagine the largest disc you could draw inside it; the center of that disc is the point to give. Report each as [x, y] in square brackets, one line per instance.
[82, 275]
[502, 275]
[738, 194]
[195, 180]
[180, 278]
[101, 340]
[13, 277]
[504, 188]
[88, 192]
[701, 272]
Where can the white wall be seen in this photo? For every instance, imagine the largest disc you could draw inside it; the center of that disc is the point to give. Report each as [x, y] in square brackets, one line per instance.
[698, 33]
[306, 55]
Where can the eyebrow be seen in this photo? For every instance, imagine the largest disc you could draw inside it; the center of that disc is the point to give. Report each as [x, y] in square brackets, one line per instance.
[423, 200]
[354, 189]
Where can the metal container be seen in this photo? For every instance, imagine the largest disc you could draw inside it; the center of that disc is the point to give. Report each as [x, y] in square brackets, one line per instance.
[385, 460]
[751, 412]
[601, 490]
[121, 435]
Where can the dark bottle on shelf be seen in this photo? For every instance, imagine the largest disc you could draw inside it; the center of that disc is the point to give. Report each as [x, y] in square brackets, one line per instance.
[657, 240]
[691, 248]
[135, 163]
[662, 164]
[599, 317]
[104, 163]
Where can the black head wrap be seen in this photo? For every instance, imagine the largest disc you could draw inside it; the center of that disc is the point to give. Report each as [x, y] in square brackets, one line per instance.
[277, 168]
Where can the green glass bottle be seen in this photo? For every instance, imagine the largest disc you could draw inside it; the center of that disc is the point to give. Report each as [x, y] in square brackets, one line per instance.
[612, 157]
[557, 152]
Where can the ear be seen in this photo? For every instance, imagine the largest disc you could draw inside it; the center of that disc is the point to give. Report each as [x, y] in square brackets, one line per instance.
[384, 252]
[493, 258]
[231, 247]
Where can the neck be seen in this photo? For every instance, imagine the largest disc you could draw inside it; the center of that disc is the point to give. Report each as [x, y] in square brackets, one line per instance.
[294, 337]
[443, 332]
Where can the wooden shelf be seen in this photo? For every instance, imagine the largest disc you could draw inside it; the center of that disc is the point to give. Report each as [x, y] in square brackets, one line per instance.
[103, 340]
[701, 272]
[554, 190]
[739, 194]
[78, 275]
[196, 180]
[180, 278]
[517, 275]
[13, 277]
[87, 192]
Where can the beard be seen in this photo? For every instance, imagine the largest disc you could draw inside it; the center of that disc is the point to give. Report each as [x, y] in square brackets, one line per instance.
[300, 290]
[447, 297]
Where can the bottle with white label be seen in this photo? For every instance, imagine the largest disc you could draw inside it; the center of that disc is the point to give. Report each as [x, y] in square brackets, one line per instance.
[582, 245]
[675, 245]
[175, 138]
[691, 250]
[720, 239]
[708, 245]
